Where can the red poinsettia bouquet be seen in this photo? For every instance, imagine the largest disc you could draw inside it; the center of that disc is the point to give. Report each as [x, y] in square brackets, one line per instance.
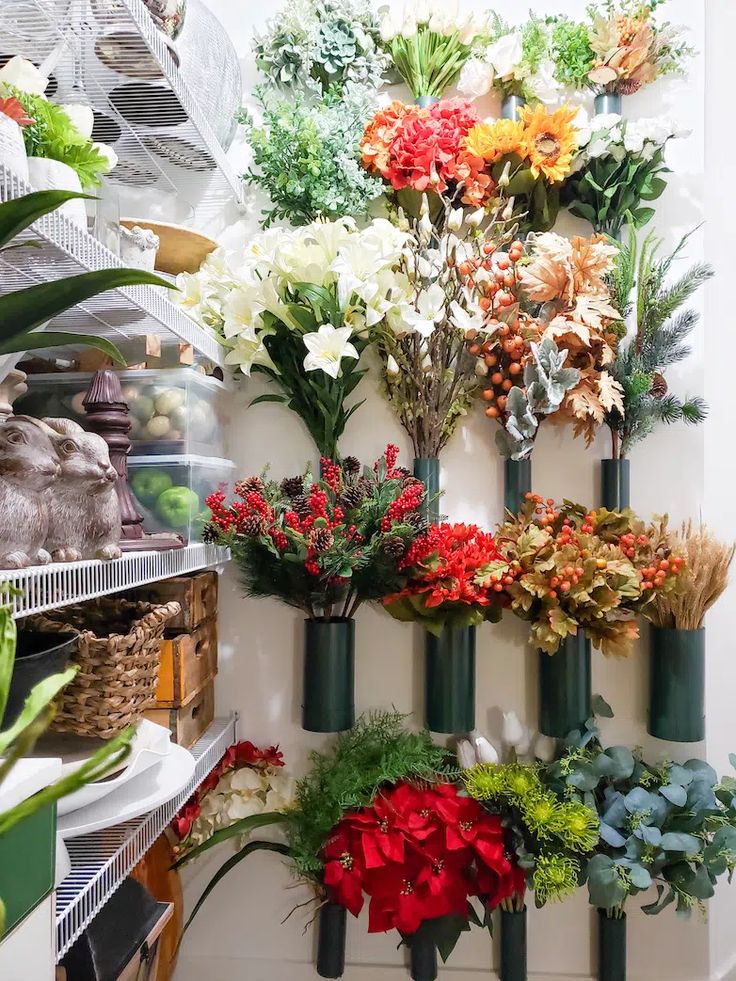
[418, 853]
[456, 578]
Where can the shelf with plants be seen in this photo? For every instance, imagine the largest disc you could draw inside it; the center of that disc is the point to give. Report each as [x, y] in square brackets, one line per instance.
[121, 315]
[59, 584]
[101, 860]
[141, 88]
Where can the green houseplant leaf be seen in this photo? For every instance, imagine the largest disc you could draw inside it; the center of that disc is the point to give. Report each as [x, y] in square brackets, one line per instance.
[20, 213]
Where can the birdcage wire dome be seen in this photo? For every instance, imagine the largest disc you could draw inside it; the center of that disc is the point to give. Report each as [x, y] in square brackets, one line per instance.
[109, 54]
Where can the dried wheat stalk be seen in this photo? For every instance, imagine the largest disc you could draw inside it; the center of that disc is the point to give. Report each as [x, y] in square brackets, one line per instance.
[705, 578]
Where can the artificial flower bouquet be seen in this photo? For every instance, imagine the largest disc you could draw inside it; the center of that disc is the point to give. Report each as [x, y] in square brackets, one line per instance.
[297, 305]
[321, 46]
[584, 570]
[247, 782]
[618, 170]
[446, 149]
[455, 581]
[667, 825]
[429, 43]
[325, 547]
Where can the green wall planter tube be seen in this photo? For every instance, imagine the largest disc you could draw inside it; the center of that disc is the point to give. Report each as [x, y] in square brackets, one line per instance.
[423, 953]
[513, 945]
[564, 687]
[329, 675]
[510, 107]
[608, 102]
[449, 681]
[677, 684]
[611, 947]
[615, 486]
[427, 469]
[27, 864]
[517, 483]
[331, 941]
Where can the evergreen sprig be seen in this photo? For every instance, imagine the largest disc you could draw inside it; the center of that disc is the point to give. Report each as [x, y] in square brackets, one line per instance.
[378, 750]
[640, 289]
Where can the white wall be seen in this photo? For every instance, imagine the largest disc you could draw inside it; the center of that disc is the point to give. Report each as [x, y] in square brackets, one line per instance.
[239, 933]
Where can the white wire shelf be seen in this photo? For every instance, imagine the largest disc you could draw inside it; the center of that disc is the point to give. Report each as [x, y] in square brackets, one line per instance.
[100, 861]
[166, 115]
[122, 315]
[49, 587]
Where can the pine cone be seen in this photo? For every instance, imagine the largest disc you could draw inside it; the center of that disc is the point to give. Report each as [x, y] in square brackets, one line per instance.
[394, 547]
[209, 535]
[417, 520]
[253, 524]
[292, 486]
[351, 465]
[410, 481]
[352, 497]
[248, 486]
[301, 505]
[321, 539]
[659, 386]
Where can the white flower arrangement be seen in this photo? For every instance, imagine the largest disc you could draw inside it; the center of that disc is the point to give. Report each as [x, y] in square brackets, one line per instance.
[608, 134]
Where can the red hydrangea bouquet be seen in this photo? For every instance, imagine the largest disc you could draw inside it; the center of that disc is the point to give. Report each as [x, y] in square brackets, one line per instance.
[324, 546]
[456, 580]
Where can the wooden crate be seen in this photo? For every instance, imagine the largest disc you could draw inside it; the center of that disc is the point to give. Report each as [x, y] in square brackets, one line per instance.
[188, 723]
[188, 663]
[197, 595]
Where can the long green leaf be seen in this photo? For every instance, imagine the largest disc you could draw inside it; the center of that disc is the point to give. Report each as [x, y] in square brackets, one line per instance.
[40, 696]
[241, 827]
[20, 213]
[40, 340]
[23, 310]
[8, 634]
[252, 846]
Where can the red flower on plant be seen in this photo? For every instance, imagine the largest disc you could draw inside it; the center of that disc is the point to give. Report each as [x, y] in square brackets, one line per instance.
[13, 108]
[344, 869]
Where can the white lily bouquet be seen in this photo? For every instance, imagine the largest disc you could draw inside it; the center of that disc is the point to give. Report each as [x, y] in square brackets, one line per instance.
[433, 302]
[429, 42]
[298, 305]
[618, 170]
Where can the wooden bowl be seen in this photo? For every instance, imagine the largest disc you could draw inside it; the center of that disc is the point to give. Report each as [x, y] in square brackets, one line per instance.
[181, 249]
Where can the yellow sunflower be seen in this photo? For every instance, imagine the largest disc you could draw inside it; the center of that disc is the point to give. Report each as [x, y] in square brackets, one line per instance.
[491, 141]
[550, 140]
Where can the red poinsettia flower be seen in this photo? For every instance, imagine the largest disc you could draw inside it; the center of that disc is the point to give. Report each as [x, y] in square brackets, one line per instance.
[494, 885]
[182, 823]
[246, 753]
[13, 108]
[380, 833]
[344, 870]
[401, 898]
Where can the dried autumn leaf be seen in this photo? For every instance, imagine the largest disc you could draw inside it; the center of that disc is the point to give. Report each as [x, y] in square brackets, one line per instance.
[610, 392]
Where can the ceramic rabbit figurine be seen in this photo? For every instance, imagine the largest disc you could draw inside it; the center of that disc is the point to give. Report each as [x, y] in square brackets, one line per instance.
[29, 465]
[84, 512]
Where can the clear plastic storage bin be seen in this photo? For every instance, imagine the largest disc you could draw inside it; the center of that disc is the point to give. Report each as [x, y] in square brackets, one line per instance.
[170, 491]
[172, 410]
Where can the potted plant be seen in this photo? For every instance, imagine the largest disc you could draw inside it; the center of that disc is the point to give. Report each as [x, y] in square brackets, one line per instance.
[380, 816]
[27, 830]
[297, 307]
[429, 44]
[551, 837]
[670, 826]
[549, 334]
[677, 636]
[662, 326]
[325, 547]
[581, 577]
[455, 577]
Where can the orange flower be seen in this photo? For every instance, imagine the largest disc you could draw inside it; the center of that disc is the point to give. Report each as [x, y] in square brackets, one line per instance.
[379, 135]
[550, 140]
[491, 141]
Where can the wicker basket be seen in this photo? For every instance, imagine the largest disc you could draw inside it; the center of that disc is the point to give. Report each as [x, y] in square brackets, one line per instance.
[118, 657]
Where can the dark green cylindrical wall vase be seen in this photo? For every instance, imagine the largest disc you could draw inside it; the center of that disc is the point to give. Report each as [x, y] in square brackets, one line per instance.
[427, 469]
[449, 681]
[331, 941]
[677, 684]
[423, 953]
[513, 945]
[615, 489]
[564, 687]
[510, 107]
[611, 947]
[517, 483]
[329, 675]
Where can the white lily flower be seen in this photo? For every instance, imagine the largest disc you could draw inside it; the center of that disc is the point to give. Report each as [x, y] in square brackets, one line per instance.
[512, 731]
[455, 219]
[545, 748]
[485, 751]
[108, 153]
[476, 78]
[475, 218]
[392, 367]
[82, 118]
[327, 347]
[504, 179]
[465, 754]
[508, 211]
[466, 320]
[23, 75]
[506, 54]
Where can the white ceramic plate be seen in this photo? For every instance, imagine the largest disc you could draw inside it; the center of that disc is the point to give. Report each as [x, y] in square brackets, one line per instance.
[138, 763]
[144, 793]
[76, 750]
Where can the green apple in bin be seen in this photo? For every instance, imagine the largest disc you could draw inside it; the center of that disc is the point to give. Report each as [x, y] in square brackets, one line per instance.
[177, 506]
[149, 484]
